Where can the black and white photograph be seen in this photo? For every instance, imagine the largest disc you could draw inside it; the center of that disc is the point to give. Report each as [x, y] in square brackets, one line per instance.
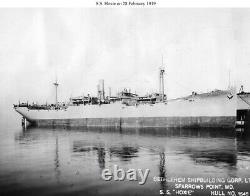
[136, 100]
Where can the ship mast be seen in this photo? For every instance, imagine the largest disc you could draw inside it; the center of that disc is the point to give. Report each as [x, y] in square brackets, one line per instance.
[56, 86]
[162, 71]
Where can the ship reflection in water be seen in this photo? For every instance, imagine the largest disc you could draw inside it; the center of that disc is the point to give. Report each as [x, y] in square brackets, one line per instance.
[70, 162]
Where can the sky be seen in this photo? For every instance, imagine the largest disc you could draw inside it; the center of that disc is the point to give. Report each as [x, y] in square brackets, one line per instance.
[80, 46]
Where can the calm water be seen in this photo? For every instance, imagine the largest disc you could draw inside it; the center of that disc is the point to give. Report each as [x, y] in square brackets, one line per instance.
[69, 162]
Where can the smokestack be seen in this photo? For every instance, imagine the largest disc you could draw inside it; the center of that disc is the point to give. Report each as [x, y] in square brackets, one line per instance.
[101, 89]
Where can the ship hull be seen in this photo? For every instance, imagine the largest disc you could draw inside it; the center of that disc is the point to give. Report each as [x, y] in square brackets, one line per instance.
[142, 122]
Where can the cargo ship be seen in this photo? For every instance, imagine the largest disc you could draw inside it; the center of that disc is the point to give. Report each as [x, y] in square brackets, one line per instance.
[215, 109]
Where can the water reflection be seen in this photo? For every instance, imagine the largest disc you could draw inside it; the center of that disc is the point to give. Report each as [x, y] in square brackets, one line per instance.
[76, 157]
[79, 147]
[213, 157]
[177, 132]
[57, 163]
[162, 171]
[125, 153]
[221, 152]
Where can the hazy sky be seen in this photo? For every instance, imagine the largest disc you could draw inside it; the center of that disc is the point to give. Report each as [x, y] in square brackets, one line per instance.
[122, 46]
